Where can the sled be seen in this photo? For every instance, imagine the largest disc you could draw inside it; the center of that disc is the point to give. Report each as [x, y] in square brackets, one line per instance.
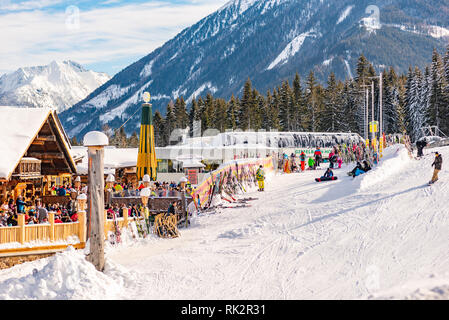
[322, 179]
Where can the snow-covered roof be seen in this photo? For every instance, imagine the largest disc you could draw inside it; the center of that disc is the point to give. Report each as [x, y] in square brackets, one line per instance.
[19, 128]
[192, 163]
[113, 158]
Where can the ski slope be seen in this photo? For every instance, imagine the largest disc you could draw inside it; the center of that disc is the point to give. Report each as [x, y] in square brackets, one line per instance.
[382, 235]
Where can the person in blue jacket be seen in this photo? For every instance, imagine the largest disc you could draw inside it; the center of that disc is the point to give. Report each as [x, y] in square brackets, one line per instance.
[358, 170]
[329, 173]
[20, 204]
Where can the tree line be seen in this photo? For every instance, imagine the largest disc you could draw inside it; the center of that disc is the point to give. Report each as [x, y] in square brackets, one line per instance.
[409, 102]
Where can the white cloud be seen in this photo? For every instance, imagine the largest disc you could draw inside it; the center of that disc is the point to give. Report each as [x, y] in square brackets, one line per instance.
[104, 34]
[8, 5]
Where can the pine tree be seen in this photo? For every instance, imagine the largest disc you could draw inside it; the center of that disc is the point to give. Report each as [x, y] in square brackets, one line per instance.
[285, 107]
[133, 141]
[158, 123]
[209, 112]
[275, 122]
[298, 103]
[415, 118]
[219, 117]
[310, 117]
[332, 116]
[232, 113]
[182, 118]
[391, 103]
[436, 109]
[246, 103]
[170, 122]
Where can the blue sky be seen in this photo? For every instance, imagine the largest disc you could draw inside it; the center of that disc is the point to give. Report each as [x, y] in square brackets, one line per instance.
[104, 35]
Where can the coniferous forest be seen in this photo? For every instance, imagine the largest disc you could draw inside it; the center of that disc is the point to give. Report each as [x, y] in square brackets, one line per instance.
[409, 102]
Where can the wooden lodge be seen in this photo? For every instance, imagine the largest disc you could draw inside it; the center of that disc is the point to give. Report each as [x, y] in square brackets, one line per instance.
[35, 153]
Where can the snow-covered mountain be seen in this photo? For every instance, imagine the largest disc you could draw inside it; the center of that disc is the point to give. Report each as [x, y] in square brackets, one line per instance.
[58, 85]
[267, 41]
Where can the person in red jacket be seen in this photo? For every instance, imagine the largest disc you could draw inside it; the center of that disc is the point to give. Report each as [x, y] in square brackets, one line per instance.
[318, 156]
[74, 217]
[303, 161]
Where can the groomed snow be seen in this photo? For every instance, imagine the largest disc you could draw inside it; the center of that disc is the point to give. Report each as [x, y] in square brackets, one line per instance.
[379, 236]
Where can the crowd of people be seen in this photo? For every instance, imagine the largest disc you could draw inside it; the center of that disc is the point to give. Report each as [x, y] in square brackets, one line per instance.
[158, 189]
[343, 153]
[35, 212]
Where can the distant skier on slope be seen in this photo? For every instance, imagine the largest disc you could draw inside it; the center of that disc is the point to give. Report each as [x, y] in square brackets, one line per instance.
[437, 164]
[260, 176]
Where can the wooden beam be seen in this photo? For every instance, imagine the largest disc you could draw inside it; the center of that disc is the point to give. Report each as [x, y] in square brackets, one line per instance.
[46, 155]
[59, 144]
[46, 138]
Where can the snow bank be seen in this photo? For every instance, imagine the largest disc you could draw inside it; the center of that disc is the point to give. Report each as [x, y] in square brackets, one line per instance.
[432, 288]
[395, 159]
[67, 275]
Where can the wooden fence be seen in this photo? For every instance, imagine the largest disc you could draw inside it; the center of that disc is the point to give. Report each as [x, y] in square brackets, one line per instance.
[38, 237]
[52, 236]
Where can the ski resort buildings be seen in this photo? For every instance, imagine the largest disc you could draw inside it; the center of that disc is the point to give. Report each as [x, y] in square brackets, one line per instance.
[35, 153]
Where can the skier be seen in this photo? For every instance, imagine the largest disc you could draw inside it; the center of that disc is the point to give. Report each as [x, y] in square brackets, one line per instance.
[318, 156]
[311, 164]
[303, 160]
[437, 164]
[260, 176]
[420, 145]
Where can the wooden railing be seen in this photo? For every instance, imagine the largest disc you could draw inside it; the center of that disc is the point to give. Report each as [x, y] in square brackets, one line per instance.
[52, 236]
[43, 236]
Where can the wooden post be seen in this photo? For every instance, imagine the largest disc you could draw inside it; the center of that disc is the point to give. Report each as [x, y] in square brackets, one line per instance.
[106, 226]
[82, 226]
[51, 220]
[21, 224]
[125, 217]
[95, 142]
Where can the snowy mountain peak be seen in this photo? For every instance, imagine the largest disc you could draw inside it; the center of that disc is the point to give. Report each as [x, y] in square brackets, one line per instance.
[58, 85]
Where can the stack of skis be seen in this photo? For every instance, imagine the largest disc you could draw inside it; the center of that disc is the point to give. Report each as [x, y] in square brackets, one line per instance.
[225, 186]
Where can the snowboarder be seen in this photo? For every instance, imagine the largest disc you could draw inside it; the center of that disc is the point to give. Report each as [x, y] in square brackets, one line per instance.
[328, 176]
[303, 160]
[420, 145]
[358, 170]
[329, 173]
[260, 176]
[437, 164]
[366, 166]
